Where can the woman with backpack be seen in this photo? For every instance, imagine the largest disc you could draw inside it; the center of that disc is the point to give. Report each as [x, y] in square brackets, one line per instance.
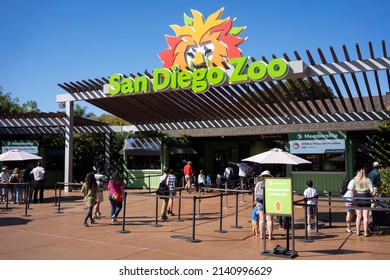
[259, 196]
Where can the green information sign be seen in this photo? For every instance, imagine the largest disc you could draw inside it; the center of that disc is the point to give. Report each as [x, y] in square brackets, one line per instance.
[278, 196]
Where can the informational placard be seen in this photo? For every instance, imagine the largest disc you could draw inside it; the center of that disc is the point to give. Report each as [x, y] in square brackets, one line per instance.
[317, 142]
[29, 146]
[278, 196]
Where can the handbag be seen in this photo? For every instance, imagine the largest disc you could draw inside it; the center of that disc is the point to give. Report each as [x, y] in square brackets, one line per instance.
[117, 197]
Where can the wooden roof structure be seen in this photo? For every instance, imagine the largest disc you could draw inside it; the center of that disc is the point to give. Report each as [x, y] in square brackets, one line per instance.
[337, 92]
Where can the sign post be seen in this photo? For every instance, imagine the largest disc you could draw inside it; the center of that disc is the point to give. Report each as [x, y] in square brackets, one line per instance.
[278, 200]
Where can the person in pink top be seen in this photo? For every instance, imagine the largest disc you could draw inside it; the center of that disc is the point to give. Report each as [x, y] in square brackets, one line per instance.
[115, 186]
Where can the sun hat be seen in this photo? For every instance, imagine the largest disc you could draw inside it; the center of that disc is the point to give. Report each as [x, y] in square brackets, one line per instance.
[376, 164]
[265, 173]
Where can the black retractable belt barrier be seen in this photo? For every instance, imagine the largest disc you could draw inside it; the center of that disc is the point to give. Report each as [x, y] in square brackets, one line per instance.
[124, 215]
[306, 239]
[179, 208]
[236, 225]
[59, 200]
[26, 200]
[192, 239]
[156, 224]
[220, 230]
[330, 209]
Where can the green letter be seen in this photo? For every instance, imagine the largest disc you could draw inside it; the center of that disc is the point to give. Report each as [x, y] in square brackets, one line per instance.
[142, 84]
[239, 73]
[127, 85]
[257, 71]
[115, 83]
[161, 79]
[184, 79]
[216, 76]
[277, 68]
[198, 80]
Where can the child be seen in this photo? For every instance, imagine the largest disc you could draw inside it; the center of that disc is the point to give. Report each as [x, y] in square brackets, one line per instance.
[89, 190]
[255, 220]
[311, 200]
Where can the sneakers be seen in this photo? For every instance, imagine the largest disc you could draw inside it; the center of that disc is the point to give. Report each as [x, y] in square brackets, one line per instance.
[170, 213]
[164, 217]
[308, 227]
[113, 220]
[348, 230]
[93, 221]
[85, 223]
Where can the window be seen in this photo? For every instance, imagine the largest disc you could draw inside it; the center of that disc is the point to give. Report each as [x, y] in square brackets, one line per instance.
[322, 162]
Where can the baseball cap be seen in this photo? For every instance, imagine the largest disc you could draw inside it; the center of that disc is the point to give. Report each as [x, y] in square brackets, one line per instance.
[376, 164]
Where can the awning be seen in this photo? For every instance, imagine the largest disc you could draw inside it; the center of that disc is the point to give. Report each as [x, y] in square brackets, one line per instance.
[182, 151]
[142, 147]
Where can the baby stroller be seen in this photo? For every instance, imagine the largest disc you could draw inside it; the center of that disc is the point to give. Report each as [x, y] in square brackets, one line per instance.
[380, 218]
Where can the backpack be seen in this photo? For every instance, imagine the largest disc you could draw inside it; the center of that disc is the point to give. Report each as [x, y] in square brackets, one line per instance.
[260, 192]
[163, 188]
[343, 188]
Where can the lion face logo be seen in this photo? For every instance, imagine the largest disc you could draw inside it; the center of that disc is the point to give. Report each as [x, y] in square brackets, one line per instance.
[202, 43]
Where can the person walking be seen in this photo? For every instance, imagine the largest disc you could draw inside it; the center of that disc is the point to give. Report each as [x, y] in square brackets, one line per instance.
[171, 181]
[100, 182]
[164, 207]
[39, 182]
[187, 171]
[116, 189]
[362, 187]
[89, 190]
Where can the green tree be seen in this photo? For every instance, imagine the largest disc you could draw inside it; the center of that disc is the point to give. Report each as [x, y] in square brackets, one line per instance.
[82, 112]
[378, 142]
[9, 105]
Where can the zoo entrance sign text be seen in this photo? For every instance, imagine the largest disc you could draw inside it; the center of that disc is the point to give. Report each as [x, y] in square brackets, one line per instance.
[198, 80]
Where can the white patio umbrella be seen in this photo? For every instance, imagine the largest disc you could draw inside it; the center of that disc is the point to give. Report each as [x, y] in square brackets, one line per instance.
[277, 156]
[18, 155]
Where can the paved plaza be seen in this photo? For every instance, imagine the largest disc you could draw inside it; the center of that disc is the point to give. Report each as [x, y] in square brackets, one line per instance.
[55, 232]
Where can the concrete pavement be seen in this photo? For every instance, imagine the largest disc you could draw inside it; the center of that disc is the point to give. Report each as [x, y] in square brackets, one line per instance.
[51, 233]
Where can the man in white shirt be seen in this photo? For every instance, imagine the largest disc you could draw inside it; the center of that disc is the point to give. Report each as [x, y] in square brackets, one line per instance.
[39, 182]
[4, 178]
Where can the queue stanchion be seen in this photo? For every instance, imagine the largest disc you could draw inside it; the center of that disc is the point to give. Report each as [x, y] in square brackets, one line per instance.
[179, 208]
[124, 215]
[6, 197]
[306, 239]
[315, 208]
[59, 201]
[156, 224]
[192, 239]
[330, 208]
[26, 203]
[236, 225]
[199, 215]
[220, 230]
[226, 197]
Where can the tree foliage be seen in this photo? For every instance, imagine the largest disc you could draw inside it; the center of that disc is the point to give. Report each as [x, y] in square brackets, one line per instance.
[378, 142]
[10, 105]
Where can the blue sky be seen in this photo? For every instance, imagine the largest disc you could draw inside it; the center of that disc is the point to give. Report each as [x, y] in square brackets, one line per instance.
[44, 42]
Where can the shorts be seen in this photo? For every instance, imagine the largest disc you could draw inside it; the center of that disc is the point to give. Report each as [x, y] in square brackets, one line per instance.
[349, 203]
[172, 193]
[362, 202]
[255, 224]
[187, 177]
